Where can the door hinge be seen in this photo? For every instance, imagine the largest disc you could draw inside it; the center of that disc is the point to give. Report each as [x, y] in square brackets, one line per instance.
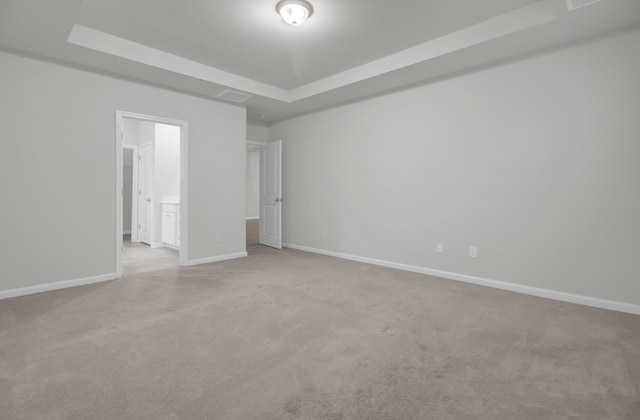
[139, 158]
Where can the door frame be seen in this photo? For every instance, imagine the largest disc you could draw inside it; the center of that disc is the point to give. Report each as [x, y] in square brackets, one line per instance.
[134, 191]
[184, 182]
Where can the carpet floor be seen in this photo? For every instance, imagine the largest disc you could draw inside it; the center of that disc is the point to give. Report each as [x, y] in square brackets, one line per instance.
[292, 335]
[138, 257]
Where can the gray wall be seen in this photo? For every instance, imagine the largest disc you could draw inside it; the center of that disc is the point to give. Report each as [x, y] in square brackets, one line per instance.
[146, 132]
[58, 139]
[534, 162]
[131, 133]
[257, 132]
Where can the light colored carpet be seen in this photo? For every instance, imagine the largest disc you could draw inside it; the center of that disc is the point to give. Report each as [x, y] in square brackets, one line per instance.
[291, 335]
[139, 258]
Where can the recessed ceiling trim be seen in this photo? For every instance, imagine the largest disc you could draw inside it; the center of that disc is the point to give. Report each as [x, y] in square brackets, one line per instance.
[120, 47]
[535, 14]
[576, 4]
[518, 20]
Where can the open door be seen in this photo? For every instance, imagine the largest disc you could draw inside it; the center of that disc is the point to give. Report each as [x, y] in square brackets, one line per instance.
[271, 194]
[144, 194]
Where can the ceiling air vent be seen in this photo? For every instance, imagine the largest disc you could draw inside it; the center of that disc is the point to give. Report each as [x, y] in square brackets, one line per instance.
[233, 95]
[576, 4]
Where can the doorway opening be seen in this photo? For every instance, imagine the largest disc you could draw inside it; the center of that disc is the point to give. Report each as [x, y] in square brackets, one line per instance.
[252, 212]
[151, 193]
[264, 194]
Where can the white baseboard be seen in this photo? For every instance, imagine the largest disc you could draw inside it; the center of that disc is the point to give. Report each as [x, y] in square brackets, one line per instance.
[216, 258]
[252, 218]
[23, 291]
[496, 284]
[156, 245]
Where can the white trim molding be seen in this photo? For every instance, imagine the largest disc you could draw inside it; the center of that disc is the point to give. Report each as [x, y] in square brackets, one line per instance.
[252, 218]
[216, 258]
[496, 284]
[30, 290]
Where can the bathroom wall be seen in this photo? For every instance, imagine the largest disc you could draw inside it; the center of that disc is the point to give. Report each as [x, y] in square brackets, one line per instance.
[166, 179]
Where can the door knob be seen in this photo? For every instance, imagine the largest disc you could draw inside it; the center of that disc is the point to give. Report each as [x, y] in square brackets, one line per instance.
[148, 200]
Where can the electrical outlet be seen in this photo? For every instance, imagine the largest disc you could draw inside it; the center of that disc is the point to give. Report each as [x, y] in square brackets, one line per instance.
[473, 252]
[440, 248]
[218, 237]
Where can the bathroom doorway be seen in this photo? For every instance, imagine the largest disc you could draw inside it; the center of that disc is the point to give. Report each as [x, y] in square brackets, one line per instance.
[151, 221]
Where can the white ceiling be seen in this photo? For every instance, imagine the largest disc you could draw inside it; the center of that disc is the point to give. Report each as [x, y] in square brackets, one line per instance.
[347, 50]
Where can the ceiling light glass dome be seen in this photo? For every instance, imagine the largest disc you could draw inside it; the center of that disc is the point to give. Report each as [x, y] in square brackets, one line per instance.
[294, 12]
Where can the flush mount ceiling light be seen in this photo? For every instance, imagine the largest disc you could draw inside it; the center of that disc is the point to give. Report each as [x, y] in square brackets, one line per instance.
[294, 12]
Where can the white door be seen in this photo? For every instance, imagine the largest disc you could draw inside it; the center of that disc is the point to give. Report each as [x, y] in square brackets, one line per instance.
[144, 194]
[271, 194]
